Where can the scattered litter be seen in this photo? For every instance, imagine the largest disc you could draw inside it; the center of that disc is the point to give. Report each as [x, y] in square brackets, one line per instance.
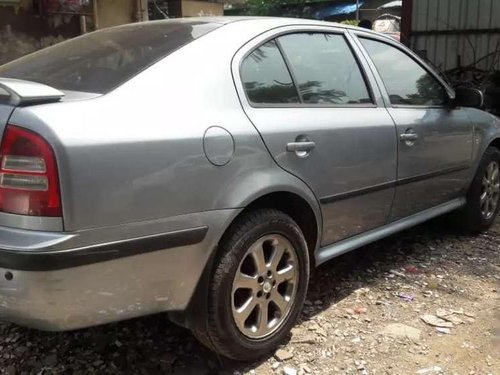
[401, 330]
[305, 339]
[313, 326]
[430, 370]
[406, 297]
[305, 369]
[412, 270]
[283, 355]
[449, 316]
[397, 273]
[360, 310]
[488, 361]
[445, 331]
[289, 371]
[434, 321]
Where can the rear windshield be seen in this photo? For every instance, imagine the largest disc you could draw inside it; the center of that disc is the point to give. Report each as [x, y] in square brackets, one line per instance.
[101, 61]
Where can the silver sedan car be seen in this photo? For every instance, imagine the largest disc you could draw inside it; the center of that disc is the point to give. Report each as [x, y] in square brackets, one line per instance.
[202, 167]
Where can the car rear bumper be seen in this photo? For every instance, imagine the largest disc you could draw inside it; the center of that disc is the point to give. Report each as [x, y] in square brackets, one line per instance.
[79, 287]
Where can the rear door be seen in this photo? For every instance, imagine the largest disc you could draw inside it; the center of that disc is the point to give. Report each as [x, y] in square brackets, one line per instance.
[321, 119]
[435, 138]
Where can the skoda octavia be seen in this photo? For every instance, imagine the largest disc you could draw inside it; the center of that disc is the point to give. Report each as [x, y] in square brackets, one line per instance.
[202, 167]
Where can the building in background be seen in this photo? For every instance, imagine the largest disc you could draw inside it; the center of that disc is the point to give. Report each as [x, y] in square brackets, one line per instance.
[454, 33]
[191, 8]
[29, 25]
[461, 38]
[326, 10]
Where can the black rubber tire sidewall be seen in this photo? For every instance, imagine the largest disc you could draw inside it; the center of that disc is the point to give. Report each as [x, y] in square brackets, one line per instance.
[224, 334]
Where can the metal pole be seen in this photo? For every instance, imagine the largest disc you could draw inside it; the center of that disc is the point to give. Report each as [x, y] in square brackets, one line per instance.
[357, 10]
[83, 24]
[95, 16]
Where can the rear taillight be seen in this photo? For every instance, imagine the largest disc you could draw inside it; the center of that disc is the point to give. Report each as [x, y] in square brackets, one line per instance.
[29, 184]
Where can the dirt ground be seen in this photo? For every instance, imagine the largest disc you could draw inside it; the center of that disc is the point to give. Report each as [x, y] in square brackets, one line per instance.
[364, 315]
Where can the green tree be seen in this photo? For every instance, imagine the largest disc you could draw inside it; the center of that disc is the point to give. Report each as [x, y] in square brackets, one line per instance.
[350, 22]
[268, 7]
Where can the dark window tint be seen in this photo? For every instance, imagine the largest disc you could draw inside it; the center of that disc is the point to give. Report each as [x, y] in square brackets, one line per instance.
[98, 62]
[266, 77]
[405, 80]
[325, 69]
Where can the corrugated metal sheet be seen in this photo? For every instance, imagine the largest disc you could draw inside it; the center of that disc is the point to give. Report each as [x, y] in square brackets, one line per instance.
[457, 33]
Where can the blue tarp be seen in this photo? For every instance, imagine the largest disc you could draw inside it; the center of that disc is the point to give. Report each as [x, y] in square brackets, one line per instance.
[337, 9]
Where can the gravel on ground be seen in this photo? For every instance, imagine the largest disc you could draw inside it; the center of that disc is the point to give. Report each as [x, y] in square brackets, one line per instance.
[425, 301]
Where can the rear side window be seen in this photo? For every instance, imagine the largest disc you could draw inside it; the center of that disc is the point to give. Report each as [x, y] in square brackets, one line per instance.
[407, 83]
[266, 77]
[325, 69]
[101, 61]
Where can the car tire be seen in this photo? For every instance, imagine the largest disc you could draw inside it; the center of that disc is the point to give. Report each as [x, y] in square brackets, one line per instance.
[483, 197]
[250, 278]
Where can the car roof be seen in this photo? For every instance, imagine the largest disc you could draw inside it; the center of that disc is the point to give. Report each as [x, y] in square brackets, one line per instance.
[258, 23]
[277, 21]
[264, 21]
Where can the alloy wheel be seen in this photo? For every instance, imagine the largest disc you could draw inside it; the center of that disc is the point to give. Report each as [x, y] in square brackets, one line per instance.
[490, 192]
[265, 286]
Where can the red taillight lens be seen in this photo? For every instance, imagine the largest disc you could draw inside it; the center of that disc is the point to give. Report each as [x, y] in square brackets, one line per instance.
[29, 184]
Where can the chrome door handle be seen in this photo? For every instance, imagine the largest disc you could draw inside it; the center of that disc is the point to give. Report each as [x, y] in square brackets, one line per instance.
[408, 137]
[300, 146]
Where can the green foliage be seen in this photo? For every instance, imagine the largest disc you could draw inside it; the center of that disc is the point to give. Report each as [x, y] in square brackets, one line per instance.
[350, 22]
[268, 7]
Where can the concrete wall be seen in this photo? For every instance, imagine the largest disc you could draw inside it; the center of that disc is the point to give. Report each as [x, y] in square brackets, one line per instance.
[192, 8]
[115, 12]
[23, 32]
[201, 8]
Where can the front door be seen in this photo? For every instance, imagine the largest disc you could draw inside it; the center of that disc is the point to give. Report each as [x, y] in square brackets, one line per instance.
[435, 140]
[309, 98]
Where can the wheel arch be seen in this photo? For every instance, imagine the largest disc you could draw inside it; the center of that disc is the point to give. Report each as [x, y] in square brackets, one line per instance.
[298, 208]
[495, 143]
[291, 203]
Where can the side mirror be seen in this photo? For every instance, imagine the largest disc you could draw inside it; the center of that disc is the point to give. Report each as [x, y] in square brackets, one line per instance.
[465, 97]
